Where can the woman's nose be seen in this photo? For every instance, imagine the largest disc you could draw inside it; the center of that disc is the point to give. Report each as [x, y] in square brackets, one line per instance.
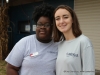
[61, 20]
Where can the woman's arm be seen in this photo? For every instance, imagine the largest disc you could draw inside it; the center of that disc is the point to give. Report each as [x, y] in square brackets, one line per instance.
[12, 70]
[88, 61]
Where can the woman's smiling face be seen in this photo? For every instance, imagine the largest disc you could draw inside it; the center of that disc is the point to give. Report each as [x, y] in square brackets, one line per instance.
[63, 20]
[44, 32]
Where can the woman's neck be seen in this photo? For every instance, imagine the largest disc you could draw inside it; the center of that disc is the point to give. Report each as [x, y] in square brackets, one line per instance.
[69, 35]
[44, 41]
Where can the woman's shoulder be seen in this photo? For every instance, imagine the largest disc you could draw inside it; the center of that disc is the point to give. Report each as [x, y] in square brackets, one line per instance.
[84, 40]
[29, 37]
[26, 39]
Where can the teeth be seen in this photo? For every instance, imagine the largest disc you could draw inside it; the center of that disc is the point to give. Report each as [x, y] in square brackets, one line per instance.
[63, 26]
[42, 32]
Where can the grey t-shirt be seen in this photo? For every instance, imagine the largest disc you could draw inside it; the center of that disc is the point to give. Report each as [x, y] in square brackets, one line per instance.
[76, 57]
[34, 57]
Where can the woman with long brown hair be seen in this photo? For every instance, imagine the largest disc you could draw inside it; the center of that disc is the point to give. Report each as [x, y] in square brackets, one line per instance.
[75, 51]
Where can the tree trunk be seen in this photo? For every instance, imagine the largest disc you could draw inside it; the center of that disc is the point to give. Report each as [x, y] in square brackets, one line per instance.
[4, 23]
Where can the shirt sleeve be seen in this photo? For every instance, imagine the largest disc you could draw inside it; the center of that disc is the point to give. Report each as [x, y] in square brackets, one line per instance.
[16, 55]
[88, 61]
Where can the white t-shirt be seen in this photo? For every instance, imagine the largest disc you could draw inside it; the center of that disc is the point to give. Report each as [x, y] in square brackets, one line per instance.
[34, 57]
[75, 57]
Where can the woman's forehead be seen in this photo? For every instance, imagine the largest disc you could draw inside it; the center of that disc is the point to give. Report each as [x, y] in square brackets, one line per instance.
[43, 19]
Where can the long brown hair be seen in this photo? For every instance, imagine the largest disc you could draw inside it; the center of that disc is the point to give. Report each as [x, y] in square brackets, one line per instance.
[57, 35]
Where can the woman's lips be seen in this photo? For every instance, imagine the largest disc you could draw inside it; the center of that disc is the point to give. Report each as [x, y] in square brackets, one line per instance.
[62, 26]
[42, 31]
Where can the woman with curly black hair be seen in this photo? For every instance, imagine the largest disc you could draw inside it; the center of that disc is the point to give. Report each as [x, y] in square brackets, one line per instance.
[35, 54]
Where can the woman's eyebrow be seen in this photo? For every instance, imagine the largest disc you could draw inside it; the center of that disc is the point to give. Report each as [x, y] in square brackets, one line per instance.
[41, 22]
[65, 15]
[57, 17]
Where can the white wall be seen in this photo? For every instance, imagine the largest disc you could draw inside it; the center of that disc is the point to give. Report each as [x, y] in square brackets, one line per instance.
[88, 12]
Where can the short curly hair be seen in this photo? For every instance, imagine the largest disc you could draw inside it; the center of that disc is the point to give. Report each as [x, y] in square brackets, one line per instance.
[45, 10]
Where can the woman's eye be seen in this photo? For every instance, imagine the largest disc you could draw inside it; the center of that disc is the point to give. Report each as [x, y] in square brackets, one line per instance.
[57, 18]
[47, 25]
[65, 17]
[39, 24]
